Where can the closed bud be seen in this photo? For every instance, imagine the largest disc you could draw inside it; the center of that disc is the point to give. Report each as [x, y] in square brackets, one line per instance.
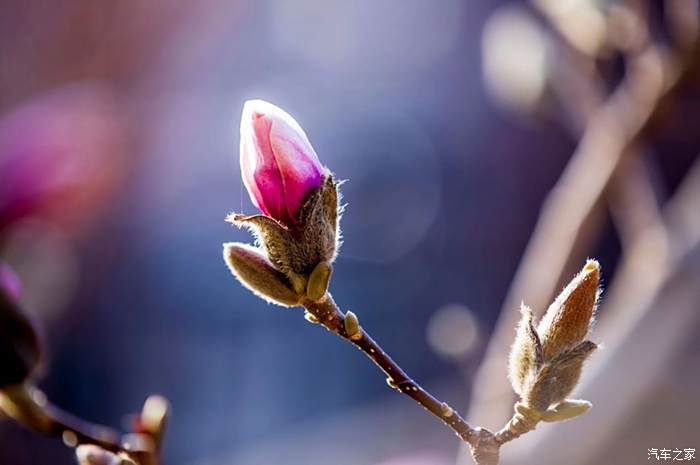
[318, 281]
[446, 410]
[568, 320]
[566, 409]
[546, 362]
[352, 326]
[255, 272]
[297, 195]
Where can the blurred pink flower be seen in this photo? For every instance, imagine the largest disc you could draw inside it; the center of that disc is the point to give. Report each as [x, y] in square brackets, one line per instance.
[279, 165]
[9, 281]
[60, 153]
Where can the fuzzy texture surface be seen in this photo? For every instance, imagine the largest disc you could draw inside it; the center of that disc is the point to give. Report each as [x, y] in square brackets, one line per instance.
[569, 318]
[526, 353]
[250, 266]
[297, 252]
[545, 362]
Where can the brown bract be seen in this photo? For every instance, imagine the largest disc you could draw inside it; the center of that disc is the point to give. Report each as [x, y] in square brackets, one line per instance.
[290, 264]
[546, 361]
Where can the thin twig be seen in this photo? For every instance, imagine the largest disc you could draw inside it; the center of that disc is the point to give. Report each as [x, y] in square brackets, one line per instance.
[29, 407]
[483, 443]
[65, 424]
[330, 316]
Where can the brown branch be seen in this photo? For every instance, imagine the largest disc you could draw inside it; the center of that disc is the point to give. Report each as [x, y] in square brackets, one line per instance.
[484, 444]
[83, 432]
[28, 406]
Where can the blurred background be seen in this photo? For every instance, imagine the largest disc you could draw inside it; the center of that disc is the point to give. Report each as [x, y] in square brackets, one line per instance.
[489, 148]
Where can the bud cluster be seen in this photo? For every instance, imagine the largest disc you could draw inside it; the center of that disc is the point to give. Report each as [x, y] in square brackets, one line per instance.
[546, 361]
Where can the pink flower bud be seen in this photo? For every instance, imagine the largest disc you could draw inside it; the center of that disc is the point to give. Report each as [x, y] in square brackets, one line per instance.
[279, 166]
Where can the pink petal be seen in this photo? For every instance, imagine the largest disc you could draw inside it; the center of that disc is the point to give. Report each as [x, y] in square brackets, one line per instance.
[298, 164]
[9, 282]
[278, 164]
[267, 173]
[258, 166]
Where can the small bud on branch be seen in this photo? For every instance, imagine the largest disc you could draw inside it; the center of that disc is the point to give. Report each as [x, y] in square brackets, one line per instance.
[256, 273]
[352, 326]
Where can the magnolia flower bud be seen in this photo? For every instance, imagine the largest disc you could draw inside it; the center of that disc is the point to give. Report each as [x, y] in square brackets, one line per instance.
[279, 166]
[570, 316]
[20, 346]
[546, 361]
[298, 233]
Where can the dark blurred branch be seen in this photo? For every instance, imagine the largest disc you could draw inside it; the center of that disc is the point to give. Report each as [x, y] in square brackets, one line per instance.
[632, 201]
[28, 406]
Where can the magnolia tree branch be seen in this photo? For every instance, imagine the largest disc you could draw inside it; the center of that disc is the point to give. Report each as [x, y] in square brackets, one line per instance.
[484, 444]
[29, 407]
[327, 313]
[545, 362]
[21, 355]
